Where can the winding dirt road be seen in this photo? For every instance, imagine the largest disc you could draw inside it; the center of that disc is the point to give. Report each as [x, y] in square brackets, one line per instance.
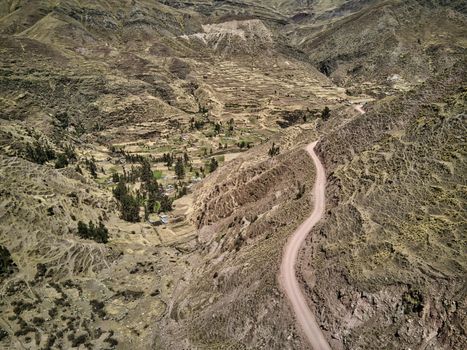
[287, 277]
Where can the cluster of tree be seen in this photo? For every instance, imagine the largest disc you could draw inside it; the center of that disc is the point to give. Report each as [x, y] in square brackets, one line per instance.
[290, 118]
[129, 157]
[131, 176]
[217, 128]
[137, 173]
[205, 152]
[181, 189]
[274, 150]
[129, 205]
[168, 159]
[133, 158]
[180, 169]
[198, 124]
[151, 195]
[242, 144]
[180, 165]
[39, 152]
[66, 157]
[98, 233]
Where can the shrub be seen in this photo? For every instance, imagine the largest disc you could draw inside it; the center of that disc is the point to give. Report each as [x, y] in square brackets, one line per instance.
[301, 190]
[3, 334]
[326, 113]
[413, 301]
[98, 307]
[92, 167]
[81, 339]
[39, 153]
[7, 265]
[62, 161]
[62, 120]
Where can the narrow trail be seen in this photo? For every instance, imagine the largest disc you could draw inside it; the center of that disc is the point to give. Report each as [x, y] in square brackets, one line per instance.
[287, 277]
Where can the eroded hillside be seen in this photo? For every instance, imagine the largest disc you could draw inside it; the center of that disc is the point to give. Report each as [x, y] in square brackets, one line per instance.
[396, 200]
[152, 169]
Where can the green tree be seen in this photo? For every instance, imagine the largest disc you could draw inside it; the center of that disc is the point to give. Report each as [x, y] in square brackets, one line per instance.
[7, 264]
[121, 190]
[153, 194]
[102, 233]
[326, 113]
[217, 128]
[157, 207]
[115, 178]
[180, 169]
[61, 161]
[63, 120]
[213, 165]
[231, 124]
[274, 150]
[165, 204]
[130, 208]
[70, 153]
[168, 159]
[146, 172]
[82, 229]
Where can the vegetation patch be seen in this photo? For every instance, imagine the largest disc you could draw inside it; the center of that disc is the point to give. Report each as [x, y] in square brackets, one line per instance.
[98, 233]
[7, 265]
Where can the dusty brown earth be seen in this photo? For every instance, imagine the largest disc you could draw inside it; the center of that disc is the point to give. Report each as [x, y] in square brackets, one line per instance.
[287, 277]
[243, 85]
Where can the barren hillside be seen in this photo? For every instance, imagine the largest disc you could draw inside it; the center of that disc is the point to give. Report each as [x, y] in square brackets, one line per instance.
[153, 167]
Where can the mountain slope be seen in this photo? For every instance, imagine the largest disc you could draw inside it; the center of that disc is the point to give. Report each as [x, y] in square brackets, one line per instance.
[152, 170]
[391, 248]
[383, 43]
